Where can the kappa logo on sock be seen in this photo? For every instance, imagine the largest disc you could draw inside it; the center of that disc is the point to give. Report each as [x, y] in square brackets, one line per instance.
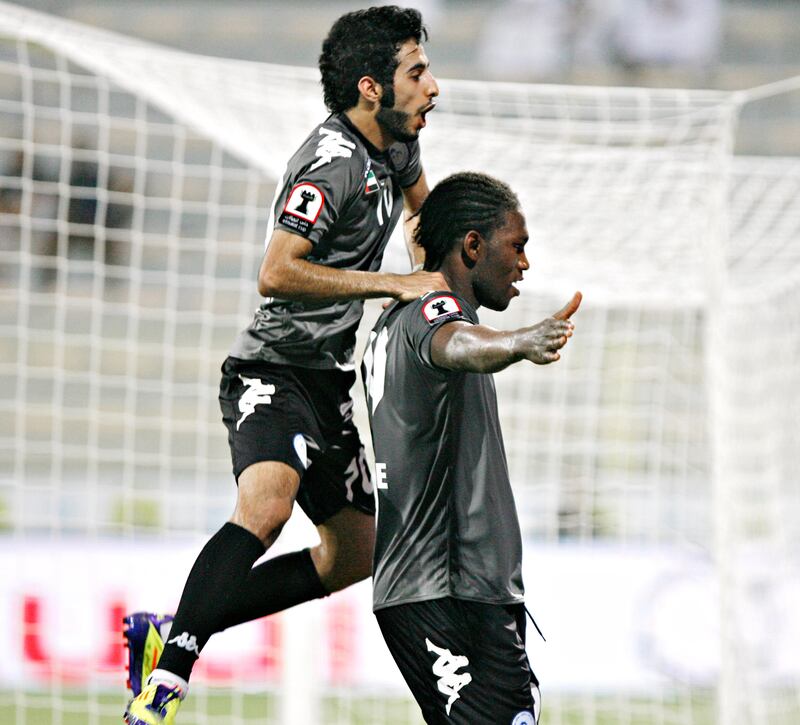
[450, 682]
[186, 641]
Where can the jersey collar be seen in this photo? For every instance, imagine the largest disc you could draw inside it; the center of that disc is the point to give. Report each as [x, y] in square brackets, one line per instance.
[372, 150]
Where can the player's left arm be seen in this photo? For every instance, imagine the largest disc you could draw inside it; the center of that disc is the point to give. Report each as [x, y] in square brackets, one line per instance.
[413, 196]
[463, 347]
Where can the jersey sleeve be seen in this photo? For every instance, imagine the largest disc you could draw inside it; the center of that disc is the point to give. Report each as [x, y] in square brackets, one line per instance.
[407, 162]
[319, 181]
[428, 315]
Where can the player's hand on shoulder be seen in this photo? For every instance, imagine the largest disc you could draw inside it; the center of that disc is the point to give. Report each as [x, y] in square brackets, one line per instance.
[414, 285]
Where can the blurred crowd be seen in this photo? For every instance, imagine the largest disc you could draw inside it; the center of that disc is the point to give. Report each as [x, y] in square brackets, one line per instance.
[548, 38]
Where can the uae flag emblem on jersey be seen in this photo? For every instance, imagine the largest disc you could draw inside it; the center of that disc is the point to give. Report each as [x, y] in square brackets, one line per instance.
[371, 184]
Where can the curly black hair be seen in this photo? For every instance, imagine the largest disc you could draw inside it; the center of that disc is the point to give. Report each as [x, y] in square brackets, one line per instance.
[365, 43]
[461, 203]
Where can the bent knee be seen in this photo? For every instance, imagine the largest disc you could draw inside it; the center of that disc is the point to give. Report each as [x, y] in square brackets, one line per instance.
[265, 499]
[266, 520]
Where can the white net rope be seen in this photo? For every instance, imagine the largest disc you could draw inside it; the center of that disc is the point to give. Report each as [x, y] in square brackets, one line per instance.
[135, 183]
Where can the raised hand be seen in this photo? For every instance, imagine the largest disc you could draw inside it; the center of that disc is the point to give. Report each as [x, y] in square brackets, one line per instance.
[569, 309]
[540, 344]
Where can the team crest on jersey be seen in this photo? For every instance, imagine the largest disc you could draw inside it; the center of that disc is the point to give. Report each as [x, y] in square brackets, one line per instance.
[523, 718]
[302, 208]
[441, 308]
[399, 155]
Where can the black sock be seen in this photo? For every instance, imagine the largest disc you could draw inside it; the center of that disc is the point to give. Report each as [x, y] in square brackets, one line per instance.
[275, 585]
[211, 592]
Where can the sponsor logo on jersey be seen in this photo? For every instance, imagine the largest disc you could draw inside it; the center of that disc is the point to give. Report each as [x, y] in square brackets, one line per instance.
[523, 718]
[441, 307]
[302, 208]
[450, 681]
[371, 183]
[258, 393]
[332, 145]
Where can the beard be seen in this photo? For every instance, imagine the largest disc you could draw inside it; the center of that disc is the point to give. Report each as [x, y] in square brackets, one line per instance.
[396, 124]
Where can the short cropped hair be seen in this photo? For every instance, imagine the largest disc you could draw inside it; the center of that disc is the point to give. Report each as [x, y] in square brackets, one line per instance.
[365, 43]
[461, 203]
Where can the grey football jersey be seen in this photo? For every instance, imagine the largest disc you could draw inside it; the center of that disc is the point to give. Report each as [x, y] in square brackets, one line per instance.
[446, 520]
[345, 196]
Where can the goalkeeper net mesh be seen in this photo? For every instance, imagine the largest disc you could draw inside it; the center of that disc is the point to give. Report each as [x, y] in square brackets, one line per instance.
[655, 467]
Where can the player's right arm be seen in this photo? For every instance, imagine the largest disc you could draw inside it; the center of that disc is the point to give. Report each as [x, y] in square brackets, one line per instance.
[287, 274]
[463, 347]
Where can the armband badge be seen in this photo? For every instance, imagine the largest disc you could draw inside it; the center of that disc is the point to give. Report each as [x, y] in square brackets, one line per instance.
[440, 308]
[302, 208]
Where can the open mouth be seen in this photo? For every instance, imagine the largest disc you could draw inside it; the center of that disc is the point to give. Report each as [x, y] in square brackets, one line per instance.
[426, 110]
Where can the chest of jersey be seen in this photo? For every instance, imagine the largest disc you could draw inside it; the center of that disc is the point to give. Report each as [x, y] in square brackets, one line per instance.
[366, 222]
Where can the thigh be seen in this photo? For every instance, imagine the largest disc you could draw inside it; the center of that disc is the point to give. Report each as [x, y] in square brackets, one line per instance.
[267, 414]
[464, 662]
[338, 474]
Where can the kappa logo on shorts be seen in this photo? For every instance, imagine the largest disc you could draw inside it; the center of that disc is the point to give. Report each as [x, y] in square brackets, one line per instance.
[450, 682]
[440, 308]
[258, 393]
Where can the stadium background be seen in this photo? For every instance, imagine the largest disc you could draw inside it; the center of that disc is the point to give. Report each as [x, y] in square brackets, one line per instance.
[633, 502]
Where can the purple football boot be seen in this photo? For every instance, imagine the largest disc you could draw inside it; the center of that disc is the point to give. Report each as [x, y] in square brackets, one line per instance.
[144, 634]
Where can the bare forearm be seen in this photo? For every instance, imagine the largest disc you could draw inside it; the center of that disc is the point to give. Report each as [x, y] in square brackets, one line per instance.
[480, 349]
[415, 253]
[308, 282]
[477, 349]
[302, 281]
[413, 198]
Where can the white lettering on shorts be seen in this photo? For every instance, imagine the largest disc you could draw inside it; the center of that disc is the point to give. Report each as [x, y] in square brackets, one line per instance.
[450, 682]
[258, 393]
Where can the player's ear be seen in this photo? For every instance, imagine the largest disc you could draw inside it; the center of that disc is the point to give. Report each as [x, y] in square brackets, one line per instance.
[473, 244]
[471, 247]
[370, 89]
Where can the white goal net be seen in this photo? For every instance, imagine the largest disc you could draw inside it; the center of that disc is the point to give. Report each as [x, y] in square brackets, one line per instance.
[656, 467]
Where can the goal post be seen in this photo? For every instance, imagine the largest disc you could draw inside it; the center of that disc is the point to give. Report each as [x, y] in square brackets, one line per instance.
[655, 467]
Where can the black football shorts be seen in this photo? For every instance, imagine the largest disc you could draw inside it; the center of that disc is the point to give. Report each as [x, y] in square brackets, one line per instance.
[465, 662]
[301, 417]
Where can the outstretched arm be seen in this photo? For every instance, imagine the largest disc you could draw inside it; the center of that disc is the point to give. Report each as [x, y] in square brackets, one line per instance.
[480, 349]
[286, 273]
